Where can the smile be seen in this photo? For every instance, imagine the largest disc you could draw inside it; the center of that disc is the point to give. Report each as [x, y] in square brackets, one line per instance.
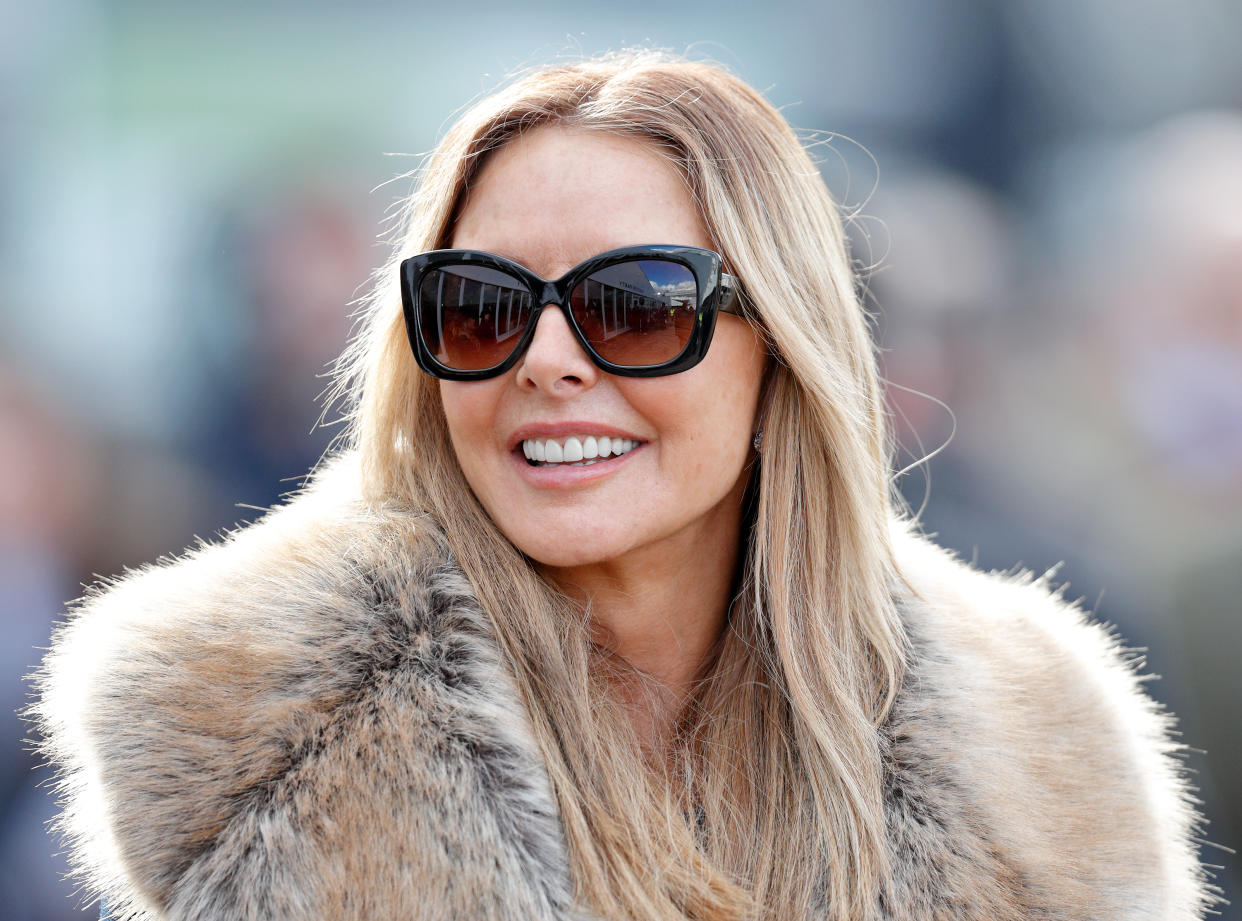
[577, 450]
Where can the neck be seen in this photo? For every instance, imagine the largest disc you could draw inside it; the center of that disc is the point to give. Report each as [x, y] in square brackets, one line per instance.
[660, 610]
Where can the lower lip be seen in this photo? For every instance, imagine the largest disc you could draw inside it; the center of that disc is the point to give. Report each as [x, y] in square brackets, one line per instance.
[563, 475]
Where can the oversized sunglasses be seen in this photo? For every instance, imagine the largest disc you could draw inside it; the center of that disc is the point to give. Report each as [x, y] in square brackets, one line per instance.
[641, 311]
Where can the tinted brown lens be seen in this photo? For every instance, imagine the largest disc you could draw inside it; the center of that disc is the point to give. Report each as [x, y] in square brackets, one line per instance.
[472, 317]
[637, 313]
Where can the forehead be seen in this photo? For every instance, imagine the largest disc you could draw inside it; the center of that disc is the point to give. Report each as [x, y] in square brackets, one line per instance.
[556, 196]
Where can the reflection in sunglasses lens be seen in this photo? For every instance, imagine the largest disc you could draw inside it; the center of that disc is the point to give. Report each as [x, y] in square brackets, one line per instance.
[637, 313]
[472, 317]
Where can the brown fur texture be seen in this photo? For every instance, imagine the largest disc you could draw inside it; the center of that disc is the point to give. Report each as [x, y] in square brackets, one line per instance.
[311, 720]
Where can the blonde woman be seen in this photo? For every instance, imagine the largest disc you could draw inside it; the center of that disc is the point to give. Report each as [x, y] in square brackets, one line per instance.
[605, 610]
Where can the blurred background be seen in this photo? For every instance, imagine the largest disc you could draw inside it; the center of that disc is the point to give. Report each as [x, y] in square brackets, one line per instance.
[1046, 201]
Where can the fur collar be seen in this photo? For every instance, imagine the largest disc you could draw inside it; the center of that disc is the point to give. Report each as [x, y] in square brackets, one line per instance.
[311, 720]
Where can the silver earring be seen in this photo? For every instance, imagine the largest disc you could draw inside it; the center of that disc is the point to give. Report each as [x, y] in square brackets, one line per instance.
[758, 439]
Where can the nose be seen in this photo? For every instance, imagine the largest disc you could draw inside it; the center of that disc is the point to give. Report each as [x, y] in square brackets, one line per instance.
[554, 361]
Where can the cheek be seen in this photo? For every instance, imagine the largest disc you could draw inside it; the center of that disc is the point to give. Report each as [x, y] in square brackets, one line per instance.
[727, 392]
[707, 425]
[470, 410]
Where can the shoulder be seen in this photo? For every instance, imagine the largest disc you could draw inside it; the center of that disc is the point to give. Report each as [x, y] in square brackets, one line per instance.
[304, 567]
[282, 610]
[1038, 719]
[316, 696]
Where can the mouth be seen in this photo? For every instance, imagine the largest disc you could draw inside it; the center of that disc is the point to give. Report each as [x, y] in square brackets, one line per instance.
[575, 451]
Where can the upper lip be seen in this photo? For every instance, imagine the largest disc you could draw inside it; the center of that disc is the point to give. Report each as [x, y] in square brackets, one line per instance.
[564, 429]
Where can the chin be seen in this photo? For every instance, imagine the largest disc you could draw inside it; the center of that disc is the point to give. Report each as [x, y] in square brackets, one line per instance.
[565, 554]
[564, 557]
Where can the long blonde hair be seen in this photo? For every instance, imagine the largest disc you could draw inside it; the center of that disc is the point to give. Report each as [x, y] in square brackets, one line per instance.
[774, 806]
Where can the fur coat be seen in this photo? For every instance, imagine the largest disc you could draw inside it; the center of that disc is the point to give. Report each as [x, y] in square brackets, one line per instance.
[312, 720]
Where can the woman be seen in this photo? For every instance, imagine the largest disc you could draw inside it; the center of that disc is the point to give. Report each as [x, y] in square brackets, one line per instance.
[605, 610]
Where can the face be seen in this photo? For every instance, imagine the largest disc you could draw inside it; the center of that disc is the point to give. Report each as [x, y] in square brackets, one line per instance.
[550, 200]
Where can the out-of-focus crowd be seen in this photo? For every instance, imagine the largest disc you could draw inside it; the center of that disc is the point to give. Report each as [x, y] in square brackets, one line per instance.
[1051, 244]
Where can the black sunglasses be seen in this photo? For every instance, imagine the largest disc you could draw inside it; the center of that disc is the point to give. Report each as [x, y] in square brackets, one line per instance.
[641, 311]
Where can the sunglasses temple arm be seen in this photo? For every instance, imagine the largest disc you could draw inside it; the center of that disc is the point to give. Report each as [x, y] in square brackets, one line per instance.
[731, 298]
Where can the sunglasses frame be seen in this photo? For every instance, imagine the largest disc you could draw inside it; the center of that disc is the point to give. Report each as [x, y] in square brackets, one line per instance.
[718, 292]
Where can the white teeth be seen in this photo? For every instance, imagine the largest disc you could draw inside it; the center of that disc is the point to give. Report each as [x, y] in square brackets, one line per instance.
[581, 450]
